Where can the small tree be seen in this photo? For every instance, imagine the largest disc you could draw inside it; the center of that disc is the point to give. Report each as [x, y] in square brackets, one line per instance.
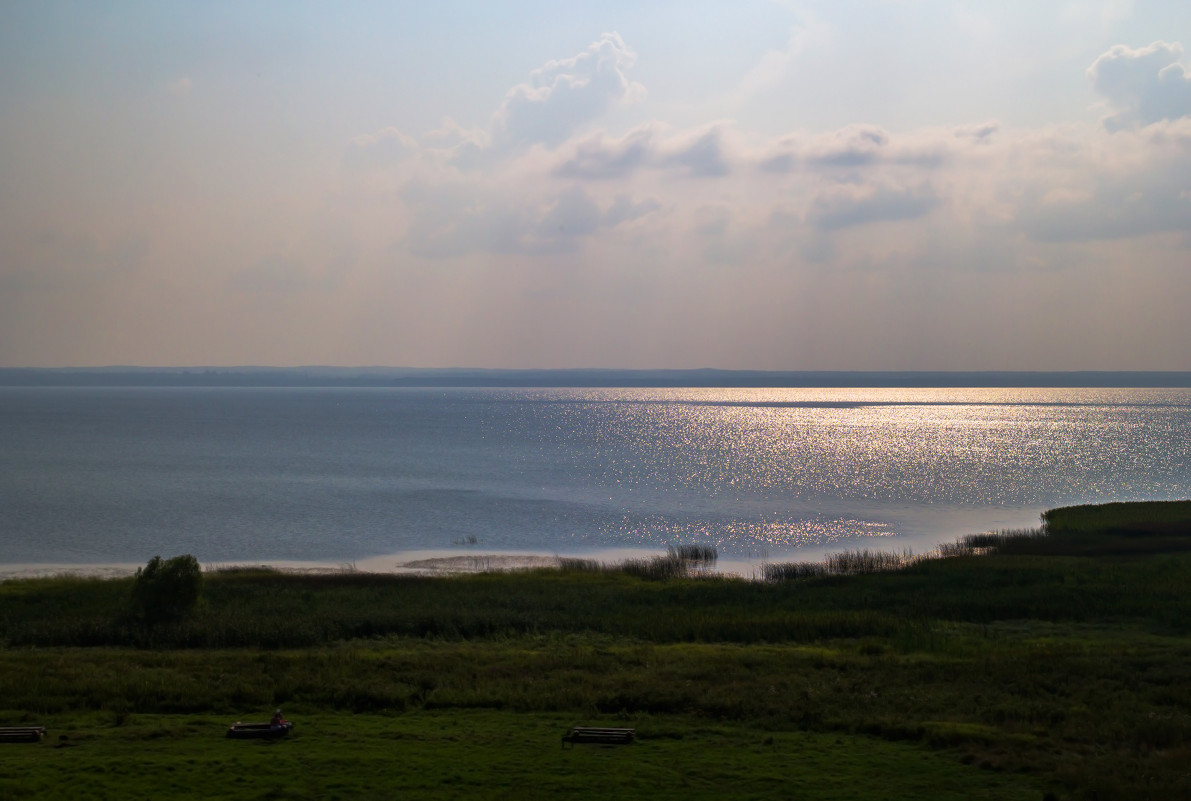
[166, 591]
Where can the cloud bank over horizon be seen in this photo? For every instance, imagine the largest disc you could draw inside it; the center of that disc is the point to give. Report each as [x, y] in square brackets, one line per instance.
[616, 204]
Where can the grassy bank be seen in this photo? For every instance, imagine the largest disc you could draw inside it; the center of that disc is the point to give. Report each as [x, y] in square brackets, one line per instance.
[1055, 664]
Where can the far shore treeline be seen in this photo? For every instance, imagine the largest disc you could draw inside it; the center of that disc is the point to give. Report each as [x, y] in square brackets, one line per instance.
[316, 376]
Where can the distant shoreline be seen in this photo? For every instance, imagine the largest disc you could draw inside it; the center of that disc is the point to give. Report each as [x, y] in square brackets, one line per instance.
[125, 376]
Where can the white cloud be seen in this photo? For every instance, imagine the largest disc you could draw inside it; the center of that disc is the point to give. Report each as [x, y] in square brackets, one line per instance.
[775, 65]
[1144, 85]
[1133, 190]
[565, 94]
[806, 198]
[379, 149]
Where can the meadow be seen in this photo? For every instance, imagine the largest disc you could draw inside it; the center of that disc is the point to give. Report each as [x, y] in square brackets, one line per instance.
[1025, 665]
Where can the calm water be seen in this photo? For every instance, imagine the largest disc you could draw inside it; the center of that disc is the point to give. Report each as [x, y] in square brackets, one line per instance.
[101, 475]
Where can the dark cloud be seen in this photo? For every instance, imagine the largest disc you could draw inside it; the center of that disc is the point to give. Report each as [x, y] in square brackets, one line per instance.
[779, 163]
[861, 146]
[702, 154]
[599, 158]
[623, 209]
[574, 214]
[855, 146]
[1146, 85]
[977, 133]
[839, 209]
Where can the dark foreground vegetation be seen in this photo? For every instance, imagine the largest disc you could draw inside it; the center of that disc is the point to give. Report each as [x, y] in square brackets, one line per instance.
[1022, 665]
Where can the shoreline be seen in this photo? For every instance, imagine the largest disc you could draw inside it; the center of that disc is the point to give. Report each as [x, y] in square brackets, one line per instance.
[418, 563]
[450, 561]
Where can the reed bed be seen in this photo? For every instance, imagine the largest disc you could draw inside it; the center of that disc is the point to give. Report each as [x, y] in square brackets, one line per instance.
[792, 571]
[845, 563]
[679, 562]
[865, 562]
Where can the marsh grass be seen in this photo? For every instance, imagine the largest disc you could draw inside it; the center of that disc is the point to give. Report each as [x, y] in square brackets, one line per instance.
[861, 562]
[657, 568]
[990, 542]
[792, 571]
[695, 554]
[568, 564]
[867, 562]
[665, 599]
[1063, 662]
[483, 753]
[679, 562]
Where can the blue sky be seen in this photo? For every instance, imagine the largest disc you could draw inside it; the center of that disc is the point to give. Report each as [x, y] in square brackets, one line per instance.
[893, 184]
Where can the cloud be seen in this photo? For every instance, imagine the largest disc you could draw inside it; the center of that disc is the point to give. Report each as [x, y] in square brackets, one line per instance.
[565, 94]
[1146, 85]
[846, 206]
[380, 149]
[981, 133]
[537, 184]
[623, 209]
[451, 220]
[856, 147]
[1142, 191]
[700, 152]
[573, 214]
[775, 66]
[599, 157]
[451, 134]
[560, 97]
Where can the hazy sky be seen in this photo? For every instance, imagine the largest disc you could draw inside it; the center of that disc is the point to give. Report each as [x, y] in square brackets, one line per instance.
[831, 184]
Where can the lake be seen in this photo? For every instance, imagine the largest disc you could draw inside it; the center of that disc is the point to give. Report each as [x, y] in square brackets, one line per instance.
[380, 475]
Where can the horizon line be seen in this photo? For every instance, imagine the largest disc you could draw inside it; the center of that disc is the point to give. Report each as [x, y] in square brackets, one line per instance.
[497, 377]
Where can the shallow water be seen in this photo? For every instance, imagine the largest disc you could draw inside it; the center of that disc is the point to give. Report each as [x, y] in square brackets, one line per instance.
[334, 476]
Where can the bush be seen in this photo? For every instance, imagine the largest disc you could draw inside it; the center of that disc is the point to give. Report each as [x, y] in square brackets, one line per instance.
[166, 591]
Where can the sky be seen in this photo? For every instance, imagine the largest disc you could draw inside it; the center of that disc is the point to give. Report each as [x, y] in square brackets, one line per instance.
[819, 185]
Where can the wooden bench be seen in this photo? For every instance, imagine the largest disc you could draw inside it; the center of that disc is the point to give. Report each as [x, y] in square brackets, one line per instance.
[594, 735]
[21, 734]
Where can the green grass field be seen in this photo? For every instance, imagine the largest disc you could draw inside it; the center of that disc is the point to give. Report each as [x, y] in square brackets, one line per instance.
[480, 753]
[1056, 665]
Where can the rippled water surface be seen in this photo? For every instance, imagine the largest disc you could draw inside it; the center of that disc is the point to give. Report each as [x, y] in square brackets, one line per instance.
[103, 475]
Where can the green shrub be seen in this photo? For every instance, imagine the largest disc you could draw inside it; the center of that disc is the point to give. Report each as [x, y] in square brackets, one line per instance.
[166, 591]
